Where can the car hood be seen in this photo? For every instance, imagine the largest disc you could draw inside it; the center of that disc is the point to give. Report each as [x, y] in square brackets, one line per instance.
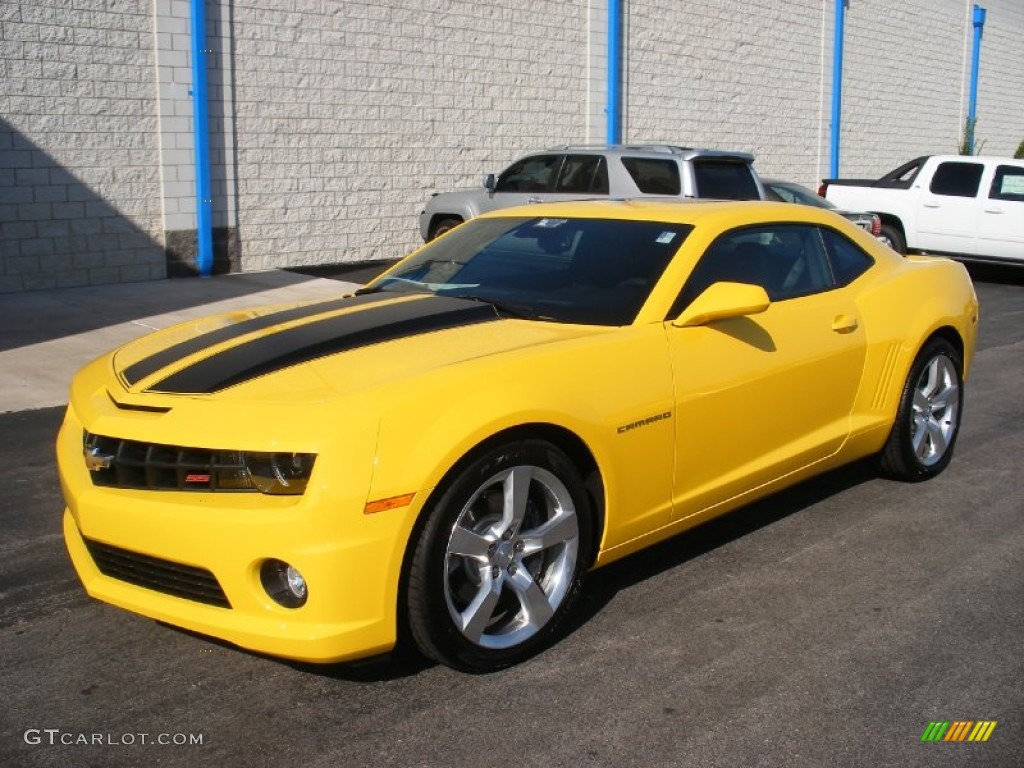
[316, 350]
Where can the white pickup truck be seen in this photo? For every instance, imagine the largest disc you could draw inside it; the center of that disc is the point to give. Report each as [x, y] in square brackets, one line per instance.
[966, 206]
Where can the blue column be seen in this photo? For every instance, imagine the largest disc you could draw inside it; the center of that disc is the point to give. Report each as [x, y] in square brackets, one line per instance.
[614, 126]
[972, 103]
[201, 139]
[837, 87]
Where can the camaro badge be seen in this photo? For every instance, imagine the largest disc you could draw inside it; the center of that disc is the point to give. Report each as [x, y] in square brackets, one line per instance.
[96, 460]
[644, 422]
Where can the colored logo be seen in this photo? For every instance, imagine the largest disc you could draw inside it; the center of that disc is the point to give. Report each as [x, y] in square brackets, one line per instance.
[958, 730]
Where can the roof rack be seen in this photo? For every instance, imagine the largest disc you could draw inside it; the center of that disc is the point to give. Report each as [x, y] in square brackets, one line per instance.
[665, 148]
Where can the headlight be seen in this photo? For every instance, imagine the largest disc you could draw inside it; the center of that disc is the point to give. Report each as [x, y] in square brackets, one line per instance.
[280, 473]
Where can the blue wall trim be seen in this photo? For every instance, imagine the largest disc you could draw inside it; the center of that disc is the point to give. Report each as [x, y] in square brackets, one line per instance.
[613, 133]
[837, 87]
[972, 102]
[201, 139]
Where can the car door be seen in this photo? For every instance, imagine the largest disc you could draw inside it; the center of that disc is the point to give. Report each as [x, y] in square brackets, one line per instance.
[1001, 221]
[948, 217]
[761, 396]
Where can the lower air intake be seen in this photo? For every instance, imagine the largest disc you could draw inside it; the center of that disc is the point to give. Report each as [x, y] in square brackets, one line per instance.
[165, 576]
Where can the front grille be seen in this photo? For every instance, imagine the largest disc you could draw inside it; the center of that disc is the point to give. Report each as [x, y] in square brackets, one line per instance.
[117, 463]
[160, 575]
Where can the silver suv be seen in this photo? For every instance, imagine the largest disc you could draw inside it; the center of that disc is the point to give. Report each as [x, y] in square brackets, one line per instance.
[594, 172]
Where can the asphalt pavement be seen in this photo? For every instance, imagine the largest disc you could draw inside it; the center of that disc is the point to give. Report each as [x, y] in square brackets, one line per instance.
[825, 626]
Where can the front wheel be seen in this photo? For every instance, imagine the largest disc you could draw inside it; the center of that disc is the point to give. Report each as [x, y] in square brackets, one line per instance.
[921, 442]
[443, 225]
[501, 558]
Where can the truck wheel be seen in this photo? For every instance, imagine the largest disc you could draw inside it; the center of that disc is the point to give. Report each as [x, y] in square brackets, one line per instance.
[892, 237]
[443, 225]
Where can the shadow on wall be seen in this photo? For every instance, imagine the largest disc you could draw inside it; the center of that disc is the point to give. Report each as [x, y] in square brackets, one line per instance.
[57, 232]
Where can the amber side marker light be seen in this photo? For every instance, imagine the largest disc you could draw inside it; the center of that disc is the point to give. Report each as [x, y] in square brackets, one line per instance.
[383, 505]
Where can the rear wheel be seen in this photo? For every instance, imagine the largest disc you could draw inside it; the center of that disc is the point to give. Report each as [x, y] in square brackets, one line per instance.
[444, 224]
[891, 236]
[921, 443]
[501, 558]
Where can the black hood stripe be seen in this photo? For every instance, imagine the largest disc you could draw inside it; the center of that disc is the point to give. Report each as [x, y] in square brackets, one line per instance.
[321, 338]
[138, 371]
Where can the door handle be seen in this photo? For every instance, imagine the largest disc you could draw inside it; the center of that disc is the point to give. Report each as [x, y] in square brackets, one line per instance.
[532, 200]
[993, 210]
[931, 205]
[844, 324]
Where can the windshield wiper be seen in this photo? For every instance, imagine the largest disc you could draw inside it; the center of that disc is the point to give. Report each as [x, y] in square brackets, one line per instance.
[520, 311]
[428, 287]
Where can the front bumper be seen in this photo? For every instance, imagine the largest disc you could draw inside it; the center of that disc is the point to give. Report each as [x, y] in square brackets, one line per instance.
[351, 561]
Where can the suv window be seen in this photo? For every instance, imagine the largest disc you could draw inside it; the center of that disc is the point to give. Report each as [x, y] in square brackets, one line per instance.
[531, 174]
[654, 176]
[724, 180]
[957, 179]
[787, 260]
[586, 174]
[1008, 184]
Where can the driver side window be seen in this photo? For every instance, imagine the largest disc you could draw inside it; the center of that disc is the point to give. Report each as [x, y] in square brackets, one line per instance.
[787, 260]
[531, 174]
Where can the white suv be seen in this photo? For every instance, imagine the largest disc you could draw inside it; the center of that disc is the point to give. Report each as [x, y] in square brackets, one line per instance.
[594, 172]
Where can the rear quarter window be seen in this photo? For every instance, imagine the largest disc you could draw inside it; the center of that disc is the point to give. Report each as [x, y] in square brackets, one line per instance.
[848, 261]
[654, 176]
[725, 180]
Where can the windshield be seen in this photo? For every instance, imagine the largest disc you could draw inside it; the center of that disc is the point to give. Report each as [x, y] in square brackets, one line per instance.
[591, 271]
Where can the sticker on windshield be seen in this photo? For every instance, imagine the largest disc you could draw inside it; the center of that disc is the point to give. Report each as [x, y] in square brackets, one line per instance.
[550, 223]
[666, 237]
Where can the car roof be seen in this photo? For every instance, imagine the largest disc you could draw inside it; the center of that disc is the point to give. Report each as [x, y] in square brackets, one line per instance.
[728, 213]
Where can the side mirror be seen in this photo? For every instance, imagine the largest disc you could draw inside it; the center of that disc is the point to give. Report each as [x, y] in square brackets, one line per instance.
[490, 182]
[721, 301]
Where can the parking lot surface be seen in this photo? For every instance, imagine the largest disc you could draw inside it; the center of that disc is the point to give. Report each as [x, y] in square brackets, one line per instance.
[826, 626]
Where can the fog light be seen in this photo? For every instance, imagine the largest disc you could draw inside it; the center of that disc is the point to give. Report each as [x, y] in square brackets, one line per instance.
[283, 583]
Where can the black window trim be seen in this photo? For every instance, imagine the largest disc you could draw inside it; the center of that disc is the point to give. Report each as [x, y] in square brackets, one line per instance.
[677, 307]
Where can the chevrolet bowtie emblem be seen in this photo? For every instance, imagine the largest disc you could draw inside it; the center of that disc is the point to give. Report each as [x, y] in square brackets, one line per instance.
[96, 460]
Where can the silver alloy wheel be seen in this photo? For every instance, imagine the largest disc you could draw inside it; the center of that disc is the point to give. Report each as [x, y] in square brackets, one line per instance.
[511, 557]
[935, 410]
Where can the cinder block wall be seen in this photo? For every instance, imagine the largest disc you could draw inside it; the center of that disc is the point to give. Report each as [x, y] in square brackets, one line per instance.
[759, 77]
[79, 179]
[332, 122]
[730, 75]
[349, 115]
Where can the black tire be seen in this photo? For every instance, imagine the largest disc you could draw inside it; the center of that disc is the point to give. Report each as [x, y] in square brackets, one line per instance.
[501, 558]
[924, 434]
[891, 236]
[442, 225]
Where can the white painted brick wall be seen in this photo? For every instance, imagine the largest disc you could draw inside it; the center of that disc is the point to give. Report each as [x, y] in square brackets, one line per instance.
[334, 120]
[729, 75]
[734, 75]
[1000, 128]
[79, 195]
[350, 115]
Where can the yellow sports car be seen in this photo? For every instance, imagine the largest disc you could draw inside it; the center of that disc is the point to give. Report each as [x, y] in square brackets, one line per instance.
[444, 454]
